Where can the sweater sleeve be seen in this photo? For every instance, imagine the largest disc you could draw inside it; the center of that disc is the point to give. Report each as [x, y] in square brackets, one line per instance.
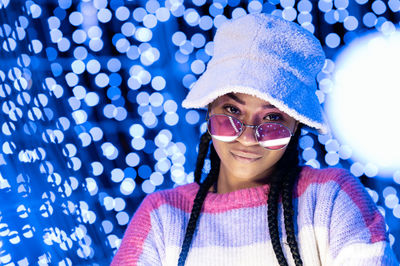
[357, 234]
[142, 240]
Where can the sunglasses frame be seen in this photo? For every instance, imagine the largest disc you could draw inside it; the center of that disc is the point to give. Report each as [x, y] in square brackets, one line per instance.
[243, 125]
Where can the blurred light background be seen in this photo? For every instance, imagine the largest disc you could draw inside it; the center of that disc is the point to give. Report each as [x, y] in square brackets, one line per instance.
[91, 121]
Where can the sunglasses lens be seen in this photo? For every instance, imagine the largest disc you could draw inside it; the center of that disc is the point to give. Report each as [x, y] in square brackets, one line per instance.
[224, 128]
[273, 136]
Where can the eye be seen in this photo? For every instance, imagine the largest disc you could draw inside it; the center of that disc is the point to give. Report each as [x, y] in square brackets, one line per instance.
[273, 117]
[231, 109]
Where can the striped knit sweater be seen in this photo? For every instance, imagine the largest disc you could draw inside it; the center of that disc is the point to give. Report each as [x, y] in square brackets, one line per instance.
[337, 223]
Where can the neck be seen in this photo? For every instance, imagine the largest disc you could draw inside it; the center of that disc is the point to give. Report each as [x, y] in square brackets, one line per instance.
[228, 181]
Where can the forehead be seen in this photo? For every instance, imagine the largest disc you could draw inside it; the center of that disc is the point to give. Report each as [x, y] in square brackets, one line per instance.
[243, 99]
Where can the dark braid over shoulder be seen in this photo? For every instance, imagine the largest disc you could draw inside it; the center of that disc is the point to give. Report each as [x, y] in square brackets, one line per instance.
[285, 176]
[201, 194]
[273, 198]
[202, 154]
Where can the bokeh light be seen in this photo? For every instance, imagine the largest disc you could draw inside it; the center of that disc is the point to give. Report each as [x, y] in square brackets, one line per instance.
[363, 103]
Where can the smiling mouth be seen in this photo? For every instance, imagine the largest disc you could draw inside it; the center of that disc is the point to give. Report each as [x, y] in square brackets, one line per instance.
[247, 158]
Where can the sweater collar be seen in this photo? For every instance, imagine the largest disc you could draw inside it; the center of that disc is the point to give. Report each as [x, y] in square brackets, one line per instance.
[242, 198]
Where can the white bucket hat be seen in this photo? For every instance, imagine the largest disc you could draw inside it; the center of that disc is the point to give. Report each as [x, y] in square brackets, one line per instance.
[267, 57]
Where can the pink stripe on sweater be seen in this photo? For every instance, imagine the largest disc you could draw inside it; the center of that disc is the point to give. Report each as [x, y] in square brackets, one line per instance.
[132, 247]
[214, 203]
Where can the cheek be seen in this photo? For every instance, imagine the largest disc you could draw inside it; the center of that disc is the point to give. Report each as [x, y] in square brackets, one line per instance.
[218, 146]
[222, 149]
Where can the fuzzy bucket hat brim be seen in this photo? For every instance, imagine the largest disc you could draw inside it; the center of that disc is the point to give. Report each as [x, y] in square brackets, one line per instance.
[267, 57]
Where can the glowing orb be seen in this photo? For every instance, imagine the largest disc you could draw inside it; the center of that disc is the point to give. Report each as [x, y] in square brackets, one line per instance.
[364, 105]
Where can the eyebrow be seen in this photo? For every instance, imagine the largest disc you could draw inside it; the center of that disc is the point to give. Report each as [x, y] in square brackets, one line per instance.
[237, 99]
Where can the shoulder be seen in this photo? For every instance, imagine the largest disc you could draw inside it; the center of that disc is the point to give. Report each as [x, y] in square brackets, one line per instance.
[324, 175]
[336, 179]
[337, 188]
[180, 197]
[340, 176]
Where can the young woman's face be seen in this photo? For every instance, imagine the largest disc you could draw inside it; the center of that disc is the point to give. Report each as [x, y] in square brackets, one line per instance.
[244, 159]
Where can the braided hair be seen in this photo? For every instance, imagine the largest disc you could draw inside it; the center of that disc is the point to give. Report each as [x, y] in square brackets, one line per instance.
[202, 192]
[285, 175]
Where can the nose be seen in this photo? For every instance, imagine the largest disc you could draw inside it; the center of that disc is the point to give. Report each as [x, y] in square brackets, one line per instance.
[248, 138]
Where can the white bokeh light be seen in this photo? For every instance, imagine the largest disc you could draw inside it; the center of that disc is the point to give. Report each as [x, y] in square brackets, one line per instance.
[363, 106]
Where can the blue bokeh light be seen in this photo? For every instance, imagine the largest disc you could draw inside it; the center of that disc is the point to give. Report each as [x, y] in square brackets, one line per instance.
[206, 22]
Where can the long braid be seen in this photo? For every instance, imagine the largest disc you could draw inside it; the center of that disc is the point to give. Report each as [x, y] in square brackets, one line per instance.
[287, 199]
[288, 218]
[200, 196]
[202, 154]
[273, 198]
[284, 177]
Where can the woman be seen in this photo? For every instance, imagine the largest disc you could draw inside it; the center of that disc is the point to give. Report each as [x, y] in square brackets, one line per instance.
[257, 206]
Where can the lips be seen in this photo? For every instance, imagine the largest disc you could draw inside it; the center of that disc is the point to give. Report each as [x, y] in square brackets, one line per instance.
[245, 156]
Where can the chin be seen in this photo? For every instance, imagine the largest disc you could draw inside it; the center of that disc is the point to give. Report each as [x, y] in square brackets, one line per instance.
[248, 171]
